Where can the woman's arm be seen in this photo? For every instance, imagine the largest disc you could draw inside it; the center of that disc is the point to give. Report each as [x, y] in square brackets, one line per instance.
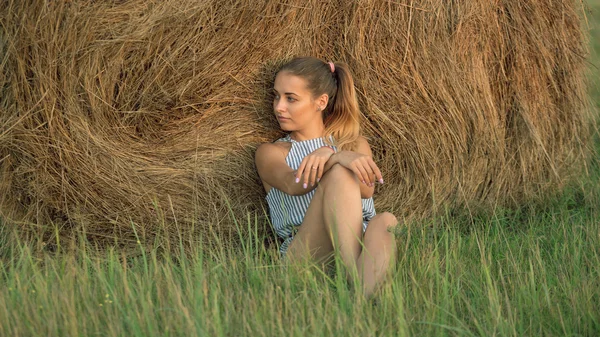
[361, 163]
[272, 169]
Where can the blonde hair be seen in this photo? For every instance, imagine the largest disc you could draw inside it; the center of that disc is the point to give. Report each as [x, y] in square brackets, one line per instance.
[341, 114]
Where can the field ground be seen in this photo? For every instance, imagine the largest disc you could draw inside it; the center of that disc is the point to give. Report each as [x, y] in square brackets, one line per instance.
[533, 271]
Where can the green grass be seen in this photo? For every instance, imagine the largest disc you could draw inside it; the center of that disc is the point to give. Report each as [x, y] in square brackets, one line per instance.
[530, 272]
[534, 271]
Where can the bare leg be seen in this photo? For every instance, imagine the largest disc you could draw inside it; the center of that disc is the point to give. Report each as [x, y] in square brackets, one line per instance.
[334, 216]
[378, 252]
[334, 219]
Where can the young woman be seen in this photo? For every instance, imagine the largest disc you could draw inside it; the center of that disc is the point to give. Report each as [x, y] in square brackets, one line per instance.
[320, 178]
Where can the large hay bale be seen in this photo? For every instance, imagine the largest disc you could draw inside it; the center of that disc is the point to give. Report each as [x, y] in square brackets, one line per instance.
[141, 118]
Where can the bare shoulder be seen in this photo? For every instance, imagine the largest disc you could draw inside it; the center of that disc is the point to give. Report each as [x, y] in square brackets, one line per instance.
[271, 165]
[362, 145]
[270, 150]
[362, 141]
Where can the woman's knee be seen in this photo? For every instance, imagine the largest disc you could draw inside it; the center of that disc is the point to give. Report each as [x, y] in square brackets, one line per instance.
[388, 219]
[382, 223]
[338, 173]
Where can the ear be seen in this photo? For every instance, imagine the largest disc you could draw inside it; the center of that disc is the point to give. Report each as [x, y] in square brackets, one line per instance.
[322, 101]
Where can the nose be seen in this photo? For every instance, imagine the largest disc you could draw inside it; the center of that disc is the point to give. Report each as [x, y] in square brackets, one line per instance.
[279, 105]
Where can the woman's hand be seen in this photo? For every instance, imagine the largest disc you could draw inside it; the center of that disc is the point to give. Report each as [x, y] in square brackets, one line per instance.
[362, 165]
[311, 168]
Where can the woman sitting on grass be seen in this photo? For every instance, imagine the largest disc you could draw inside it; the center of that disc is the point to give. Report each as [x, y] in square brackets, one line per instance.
[320, 178]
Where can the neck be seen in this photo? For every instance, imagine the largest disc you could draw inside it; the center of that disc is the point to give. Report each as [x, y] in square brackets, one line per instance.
[308, 133]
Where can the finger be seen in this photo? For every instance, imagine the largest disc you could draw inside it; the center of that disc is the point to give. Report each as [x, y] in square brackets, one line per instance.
[369, 171]
[365, 173]
[320, 171]
[307, 172]
[372, 178]
[376, 170]
[300, 170]
[358, 173]
[369, 164]
[313, 173]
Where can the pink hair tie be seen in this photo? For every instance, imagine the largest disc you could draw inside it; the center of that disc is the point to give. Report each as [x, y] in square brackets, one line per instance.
[332, 67]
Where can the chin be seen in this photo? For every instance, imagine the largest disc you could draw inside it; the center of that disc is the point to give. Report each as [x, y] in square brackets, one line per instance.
[285, 128]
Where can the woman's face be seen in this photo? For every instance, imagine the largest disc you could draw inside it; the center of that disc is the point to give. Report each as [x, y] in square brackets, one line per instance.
[293, 103]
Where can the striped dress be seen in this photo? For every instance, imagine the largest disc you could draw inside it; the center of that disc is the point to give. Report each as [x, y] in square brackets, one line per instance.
[287, 211]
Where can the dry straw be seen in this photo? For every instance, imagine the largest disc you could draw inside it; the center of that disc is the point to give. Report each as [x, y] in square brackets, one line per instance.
[129, 120]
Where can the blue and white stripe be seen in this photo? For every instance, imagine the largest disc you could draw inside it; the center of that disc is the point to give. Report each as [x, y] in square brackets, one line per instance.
[287, 211]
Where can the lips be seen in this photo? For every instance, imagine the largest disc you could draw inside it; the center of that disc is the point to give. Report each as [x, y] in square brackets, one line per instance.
[281, 119]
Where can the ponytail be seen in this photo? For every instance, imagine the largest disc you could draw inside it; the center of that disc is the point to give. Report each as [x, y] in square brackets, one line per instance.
[341, 114]
[341, 117]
